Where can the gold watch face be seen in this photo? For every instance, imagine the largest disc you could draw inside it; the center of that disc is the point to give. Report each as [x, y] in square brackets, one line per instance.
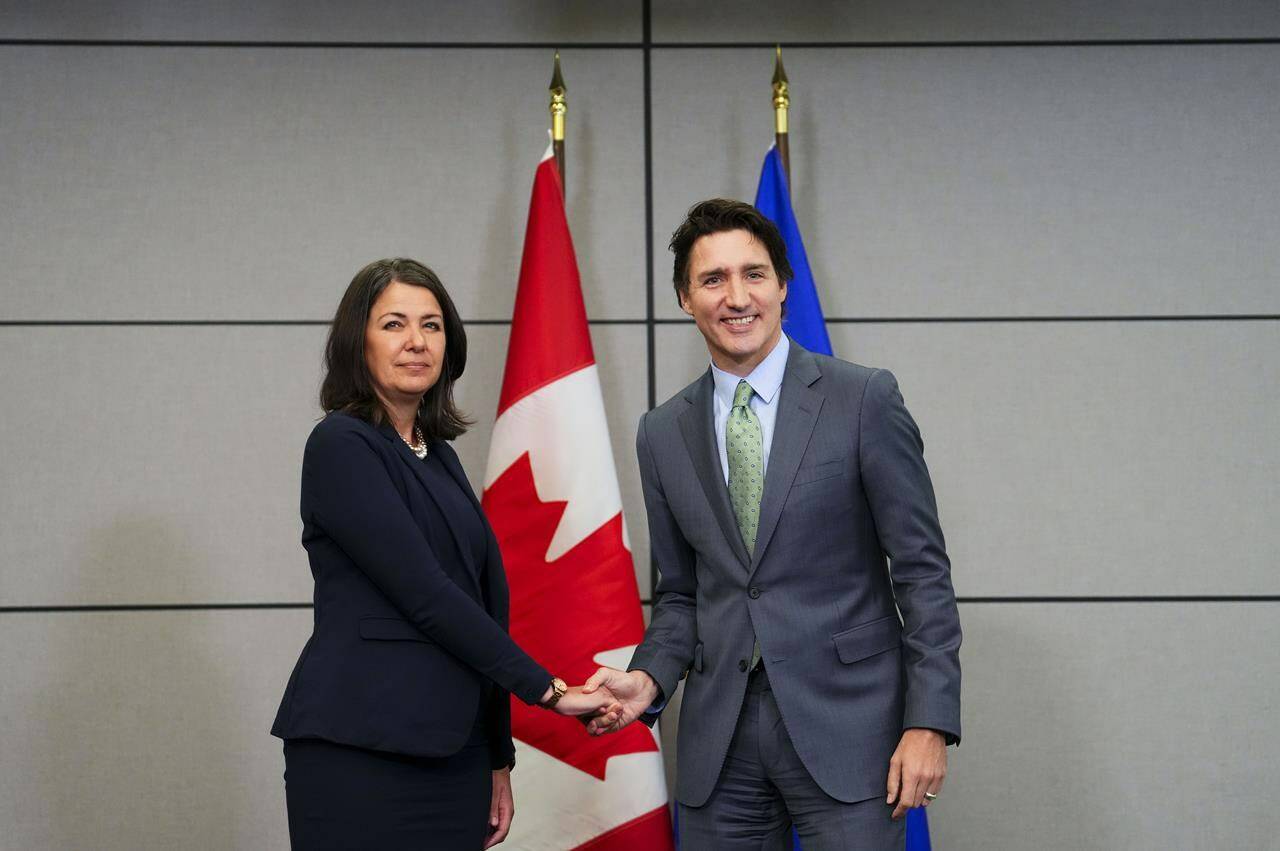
[559, 685]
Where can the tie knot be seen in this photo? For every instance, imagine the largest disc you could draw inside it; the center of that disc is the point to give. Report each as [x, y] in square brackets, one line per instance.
[742, 395]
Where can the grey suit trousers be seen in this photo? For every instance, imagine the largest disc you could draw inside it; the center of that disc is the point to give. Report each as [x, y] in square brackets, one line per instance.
[764, 789]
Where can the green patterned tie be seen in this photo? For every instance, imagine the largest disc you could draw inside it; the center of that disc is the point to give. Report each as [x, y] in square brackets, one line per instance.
[744, 446]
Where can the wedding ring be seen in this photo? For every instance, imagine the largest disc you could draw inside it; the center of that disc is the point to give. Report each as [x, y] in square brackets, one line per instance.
[929, 796]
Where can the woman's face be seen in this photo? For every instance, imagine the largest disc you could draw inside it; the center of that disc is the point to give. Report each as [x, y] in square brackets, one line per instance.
[404, 342]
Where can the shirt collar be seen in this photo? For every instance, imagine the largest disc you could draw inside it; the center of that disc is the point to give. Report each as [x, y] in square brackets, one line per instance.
[765, 379]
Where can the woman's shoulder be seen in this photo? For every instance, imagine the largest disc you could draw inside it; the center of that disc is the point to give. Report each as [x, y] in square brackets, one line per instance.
[339, 421]
[338, 432]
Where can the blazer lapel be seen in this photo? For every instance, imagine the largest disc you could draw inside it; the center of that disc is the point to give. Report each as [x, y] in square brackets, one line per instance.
[416, 465]
[454, 466]
[697, 424]
[451, 463]
[798, 408]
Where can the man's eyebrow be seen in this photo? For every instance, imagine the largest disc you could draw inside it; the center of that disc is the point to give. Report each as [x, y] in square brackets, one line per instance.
[720, 270]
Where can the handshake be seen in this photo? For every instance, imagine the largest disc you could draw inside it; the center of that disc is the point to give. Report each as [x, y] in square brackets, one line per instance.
[609, 700]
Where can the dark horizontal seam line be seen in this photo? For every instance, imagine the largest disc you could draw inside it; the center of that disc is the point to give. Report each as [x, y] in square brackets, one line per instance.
[153, 607]
[1067, 42]
[645, 601]
[54, 323]
[1187, 317]
[831, 320]
[628, 45]
[892, 320]
[165, 607]
[354, 45]
[1189, 598]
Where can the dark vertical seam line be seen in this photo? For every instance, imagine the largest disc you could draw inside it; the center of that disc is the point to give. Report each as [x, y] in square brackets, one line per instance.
[650, 325]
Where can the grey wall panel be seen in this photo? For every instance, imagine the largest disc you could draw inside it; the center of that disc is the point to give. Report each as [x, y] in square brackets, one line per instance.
[328, 20]
[988, 20]
[184, 486]
[1102, 726]
[155, 465]
[621, 355]
[1085, 180]
[144, 730]
[160, 464]
[1084, 458]
[1145, 726]
[158, 183]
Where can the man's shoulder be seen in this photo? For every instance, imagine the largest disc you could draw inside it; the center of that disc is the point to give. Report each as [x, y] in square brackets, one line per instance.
[668, 413]
[845, 374]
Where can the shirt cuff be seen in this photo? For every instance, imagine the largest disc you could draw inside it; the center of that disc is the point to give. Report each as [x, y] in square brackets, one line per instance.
[659, 704]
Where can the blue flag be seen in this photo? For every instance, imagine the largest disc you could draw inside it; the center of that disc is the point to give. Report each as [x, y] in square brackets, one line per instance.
[805, 324]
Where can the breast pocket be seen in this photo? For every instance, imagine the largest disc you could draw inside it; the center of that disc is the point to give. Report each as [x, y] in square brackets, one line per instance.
[818, 472]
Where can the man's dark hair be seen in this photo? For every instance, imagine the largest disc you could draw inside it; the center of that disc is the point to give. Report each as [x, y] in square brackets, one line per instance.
[347, 385]
[718, 215]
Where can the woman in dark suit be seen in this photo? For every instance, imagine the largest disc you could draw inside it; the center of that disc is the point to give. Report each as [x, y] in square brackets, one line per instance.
[396, 719]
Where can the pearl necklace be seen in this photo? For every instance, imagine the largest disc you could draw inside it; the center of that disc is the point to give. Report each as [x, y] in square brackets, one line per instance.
[421, 449]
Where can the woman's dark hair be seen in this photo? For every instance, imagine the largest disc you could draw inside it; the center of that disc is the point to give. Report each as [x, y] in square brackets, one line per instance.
[347, 385]
[718, 215]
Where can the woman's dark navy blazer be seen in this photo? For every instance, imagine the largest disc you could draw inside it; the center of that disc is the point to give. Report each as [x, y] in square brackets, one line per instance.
[403, 642]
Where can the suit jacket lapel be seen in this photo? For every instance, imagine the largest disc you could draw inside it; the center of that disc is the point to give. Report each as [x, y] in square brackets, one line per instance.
[798, 408]
[698, 426]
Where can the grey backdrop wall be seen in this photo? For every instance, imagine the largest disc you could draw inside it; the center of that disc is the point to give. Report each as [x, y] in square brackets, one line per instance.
[1055, 222]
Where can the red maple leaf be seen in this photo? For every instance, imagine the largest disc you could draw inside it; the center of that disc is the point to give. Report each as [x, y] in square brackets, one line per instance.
[564, 612]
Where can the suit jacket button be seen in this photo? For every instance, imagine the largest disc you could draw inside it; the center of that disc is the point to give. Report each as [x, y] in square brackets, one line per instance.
[742, 665]
[754, 593]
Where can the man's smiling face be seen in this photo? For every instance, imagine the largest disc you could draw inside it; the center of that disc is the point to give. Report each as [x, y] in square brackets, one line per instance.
[735, 298]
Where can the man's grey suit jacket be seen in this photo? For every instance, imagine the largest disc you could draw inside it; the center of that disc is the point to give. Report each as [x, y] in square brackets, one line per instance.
[846, 487]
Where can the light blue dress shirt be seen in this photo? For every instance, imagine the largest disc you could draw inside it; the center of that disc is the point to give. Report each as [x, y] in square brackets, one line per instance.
[765, 381]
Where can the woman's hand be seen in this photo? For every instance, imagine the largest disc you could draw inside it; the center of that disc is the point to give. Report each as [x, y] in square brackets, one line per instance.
[502, 807]
[576, 702]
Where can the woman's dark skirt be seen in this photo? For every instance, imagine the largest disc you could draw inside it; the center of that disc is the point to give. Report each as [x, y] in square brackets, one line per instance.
[342, 797]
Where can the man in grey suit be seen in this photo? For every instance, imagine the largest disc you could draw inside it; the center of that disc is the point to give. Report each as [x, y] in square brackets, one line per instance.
[792, 519]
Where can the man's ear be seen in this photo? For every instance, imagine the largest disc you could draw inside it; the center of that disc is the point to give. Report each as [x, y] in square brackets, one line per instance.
[683, 299]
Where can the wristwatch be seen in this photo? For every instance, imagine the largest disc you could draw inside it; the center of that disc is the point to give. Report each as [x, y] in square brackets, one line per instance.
[558, 688]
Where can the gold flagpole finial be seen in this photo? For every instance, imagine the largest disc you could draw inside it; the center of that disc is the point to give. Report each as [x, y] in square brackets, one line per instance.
[559, 106]
[781, 94]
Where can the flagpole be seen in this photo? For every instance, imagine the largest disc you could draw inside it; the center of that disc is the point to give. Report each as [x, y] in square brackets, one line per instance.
[781, 106]
[559, 106]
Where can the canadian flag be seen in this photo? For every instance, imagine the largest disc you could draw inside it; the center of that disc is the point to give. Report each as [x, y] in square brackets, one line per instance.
[551, 494]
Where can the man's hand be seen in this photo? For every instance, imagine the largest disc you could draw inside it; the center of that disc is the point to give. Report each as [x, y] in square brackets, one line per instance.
[635, 692]
[918, 765]
[502, 807]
